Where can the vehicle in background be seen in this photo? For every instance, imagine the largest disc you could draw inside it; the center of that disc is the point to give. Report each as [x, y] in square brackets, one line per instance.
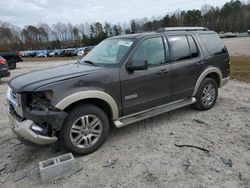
[55, 53]
[87, 50]
[42, 54]
[69, 52]
[12, 58]
[32, 54]
[77, 51]
[28, 53]
[80, 52]
[4, 69]
[62, 52]
[228, 34]
[248, 31]
[24, 53]
[221, 34]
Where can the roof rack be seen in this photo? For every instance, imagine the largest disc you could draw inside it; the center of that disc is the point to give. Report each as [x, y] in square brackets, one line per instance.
[182, 29]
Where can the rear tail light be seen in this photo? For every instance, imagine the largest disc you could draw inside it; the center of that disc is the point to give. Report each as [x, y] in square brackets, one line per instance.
[2, 61]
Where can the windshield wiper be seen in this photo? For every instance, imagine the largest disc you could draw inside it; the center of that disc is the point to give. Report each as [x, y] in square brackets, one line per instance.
[89, 62]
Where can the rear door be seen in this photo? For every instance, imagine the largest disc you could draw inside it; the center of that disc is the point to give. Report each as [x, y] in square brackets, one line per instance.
[187, 63]
[145, 89]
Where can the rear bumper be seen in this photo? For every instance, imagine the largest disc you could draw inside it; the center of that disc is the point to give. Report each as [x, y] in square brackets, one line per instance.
[23, 130]
[224, 81]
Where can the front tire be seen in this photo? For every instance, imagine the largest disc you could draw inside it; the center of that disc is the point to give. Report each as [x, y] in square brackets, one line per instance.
[85, 129]
[206, 95]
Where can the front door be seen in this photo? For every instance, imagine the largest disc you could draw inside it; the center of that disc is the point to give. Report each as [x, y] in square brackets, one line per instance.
[145, 89]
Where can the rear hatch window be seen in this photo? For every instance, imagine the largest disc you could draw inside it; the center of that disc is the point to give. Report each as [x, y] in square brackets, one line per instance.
[213, 44]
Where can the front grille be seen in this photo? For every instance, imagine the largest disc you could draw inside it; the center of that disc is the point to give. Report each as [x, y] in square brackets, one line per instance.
[14, 114]
[14, 100]
[13, 94]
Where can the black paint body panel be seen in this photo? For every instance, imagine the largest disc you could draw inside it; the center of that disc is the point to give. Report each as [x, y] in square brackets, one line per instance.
[132, 91]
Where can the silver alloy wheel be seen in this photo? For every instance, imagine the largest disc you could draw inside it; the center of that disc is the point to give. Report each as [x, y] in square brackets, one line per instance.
[208, 95]
[86, 131]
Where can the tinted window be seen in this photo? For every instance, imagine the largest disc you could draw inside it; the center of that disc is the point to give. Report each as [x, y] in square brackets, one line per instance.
[213, 44]
[179, 48]
[151, 50]
[193, 47]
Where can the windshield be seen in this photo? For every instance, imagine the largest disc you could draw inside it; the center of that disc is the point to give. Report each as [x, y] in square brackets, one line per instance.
[109, 51]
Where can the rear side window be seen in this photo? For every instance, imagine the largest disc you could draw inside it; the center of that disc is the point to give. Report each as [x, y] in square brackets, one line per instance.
[179, 47]
[213, 44]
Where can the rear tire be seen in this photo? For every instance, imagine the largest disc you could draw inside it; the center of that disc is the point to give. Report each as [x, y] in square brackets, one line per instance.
[12, 66]
[206, 95]
[85, 129]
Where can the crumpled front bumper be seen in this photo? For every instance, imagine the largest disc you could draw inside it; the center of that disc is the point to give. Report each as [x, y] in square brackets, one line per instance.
[23, 131]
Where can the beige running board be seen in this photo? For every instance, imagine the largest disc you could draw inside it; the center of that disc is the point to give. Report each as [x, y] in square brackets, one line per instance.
[132, 118]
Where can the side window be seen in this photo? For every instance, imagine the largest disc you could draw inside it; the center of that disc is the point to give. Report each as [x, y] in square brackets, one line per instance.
[213, 44]
[151, 50]
[193, 47]
[179, 48]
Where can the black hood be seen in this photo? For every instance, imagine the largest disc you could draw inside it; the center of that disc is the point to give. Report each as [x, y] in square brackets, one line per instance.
[32, 80]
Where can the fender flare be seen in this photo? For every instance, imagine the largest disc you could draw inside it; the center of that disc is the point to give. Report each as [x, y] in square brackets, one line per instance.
[89, 94]
[204, 74]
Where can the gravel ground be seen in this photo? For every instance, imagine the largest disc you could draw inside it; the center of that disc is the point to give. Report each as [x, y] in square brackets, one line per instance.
[238, 46]
[144, 154]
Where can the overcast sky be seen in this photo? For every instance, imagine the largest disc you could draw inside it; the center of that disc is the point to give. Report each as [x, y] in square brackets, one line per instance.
[24, 12]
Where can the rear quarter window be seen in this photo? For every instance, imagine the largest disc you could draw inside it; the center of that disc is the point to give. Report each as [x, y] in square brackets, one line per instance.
[213, 43]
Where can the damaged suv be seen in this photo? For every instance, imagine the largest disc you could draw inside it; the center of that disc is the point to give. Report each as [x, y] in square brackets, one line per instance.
[121, 81]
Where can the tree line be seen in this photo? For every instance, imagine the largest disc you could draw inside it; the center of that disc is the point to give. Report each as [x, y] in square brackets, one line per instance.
[233, 16]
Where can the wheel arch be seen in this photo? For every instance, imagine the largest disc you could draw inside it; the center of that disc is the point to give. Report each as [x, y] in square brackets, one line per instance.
[98, 98]
[211, 72]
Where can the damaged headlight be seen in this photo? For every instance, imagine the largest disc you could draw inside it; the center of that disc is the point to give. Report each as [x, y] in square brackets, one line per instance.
[40, 100]
[47, 95]
[46, 117]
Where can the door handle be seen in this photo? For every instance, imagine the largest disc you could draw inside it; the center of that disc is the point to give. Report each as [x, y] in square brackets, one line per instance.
[163, 71]
[200, 63]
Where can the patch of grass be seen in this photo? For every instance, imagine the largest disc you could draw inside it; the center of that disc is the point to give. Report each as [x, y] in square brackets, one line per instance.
[240, 68]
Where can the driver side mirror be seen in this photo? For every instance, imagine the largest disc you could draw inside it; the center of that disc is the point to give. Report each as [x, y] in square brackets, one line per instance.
[135, 65]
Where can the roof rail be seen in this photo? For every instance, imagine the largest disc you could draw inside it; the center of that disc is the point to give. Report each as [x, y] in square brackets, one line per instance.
[182, 29]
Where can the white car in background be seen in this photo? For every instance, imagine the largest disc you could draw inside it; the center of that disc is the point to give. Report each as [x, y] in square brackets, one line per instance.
[85, 51]
[81, 52]
[42, 54]
[55, 53]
